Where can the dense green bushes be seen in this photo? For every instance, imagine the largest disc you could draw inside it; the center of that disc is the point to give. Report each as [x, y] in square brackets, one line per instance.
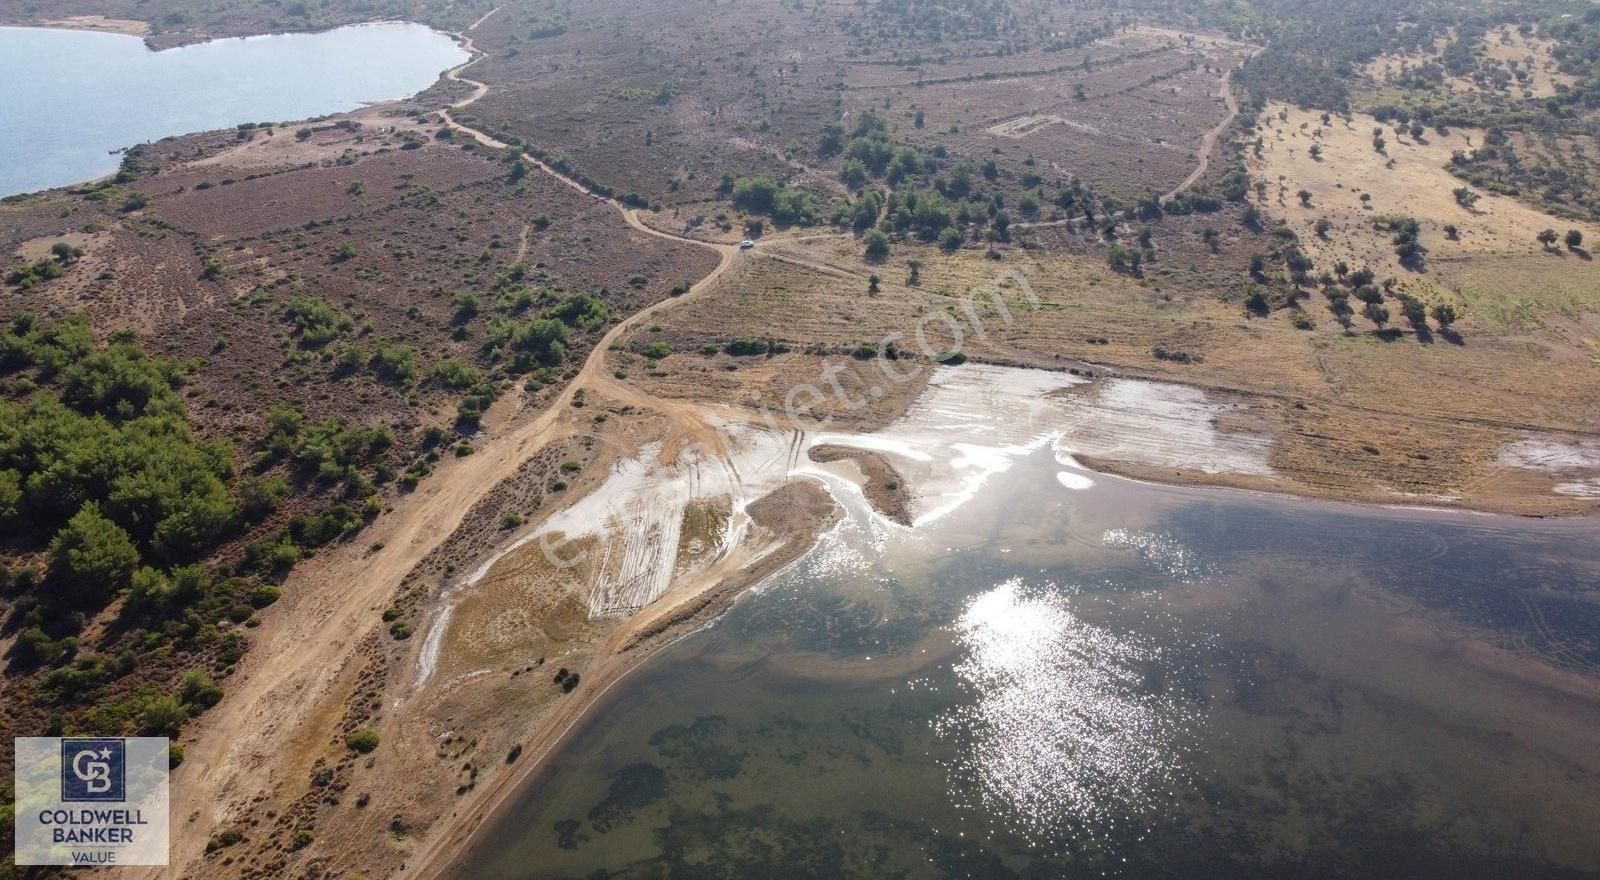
[765, 195]
[107, 494]
[109, 451]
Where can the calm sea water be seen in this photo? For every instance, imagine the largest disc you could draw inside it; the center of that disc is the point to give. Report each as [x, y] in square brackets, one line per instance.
[1128, 681]
[69, 98]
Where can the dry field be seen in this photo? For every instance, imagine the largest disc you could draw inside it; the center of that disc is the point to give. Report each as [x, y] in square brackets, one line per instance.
[659, 106]
[1527, 55]
[1493, 264]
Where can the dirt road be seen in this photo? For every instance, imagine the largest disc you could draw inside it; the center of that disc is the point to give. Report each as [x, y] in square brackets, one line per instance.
[1209, 141]
[283, 704]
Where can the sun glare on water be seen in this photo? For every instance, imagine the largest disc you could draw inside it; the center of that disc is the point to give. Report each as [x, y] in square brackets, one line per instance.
[1063, 736]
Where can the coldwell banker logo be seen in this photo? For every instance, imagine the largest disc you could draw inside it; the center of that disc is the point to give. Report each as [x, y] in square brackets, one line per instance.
[93, 770]
[91, 800]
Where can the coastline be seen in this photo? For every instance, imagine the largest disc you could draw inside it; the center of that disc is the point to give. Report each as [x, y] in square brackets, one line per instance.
[125, 27]
[642, 639]
[698, 610]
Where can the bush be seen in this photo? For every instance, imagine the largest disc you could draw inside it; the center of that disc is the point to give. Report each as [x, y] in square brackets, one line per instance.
[161, 715]
[454, 373]
[363, 740]
[199, 690]
[264, 595]
[395, 364]
[316, 322]
[876, 245]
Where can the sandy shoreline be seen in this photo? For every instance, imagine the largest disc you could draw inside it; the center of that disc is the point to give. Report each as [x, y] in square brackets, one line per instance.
[127, 26]
[874, 456]
[811, 512]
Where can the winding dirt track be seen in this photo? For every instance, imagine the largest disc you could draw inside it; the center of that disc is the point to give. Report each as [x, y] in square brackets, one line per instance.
[284, 703]
[1209, 142]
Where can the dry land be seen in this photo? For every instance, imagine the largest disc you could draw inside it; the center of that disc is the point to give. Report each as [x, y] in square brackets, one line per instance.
[605, 418]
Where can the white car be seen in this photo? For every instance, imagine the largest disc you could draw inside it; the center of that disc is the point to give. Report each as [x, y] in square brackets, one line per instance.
[746, 245]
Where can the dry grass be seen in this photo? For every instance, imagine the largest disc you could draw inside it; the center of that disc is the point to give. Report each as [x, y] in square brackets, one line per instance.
[1408, 179]
[525, 609]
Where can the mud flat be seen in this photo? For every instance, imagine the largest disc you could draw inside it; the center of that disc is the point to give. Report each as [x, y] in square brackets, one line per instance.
[662, 523]
[974, 420]
[1572, 466]
[709, 502]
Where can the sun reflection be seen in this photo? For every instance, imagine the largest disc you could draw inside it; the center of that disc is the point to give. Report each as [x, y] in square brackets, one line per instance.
[1066, 734]
[1162, 551]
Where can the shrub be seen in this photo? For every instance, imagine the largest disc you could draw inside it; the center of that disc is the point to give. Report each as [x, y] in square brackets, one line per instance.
[316, 322]
[393, 363]
[264, 595]
[362, 741]
[876, 245]
[161, 715]
[199, 690]
[454, 373]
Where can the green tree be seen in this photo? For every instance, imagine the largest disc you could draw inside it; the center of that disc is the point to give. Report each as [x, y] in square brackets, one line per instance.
[91, 558]
[831, 141]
